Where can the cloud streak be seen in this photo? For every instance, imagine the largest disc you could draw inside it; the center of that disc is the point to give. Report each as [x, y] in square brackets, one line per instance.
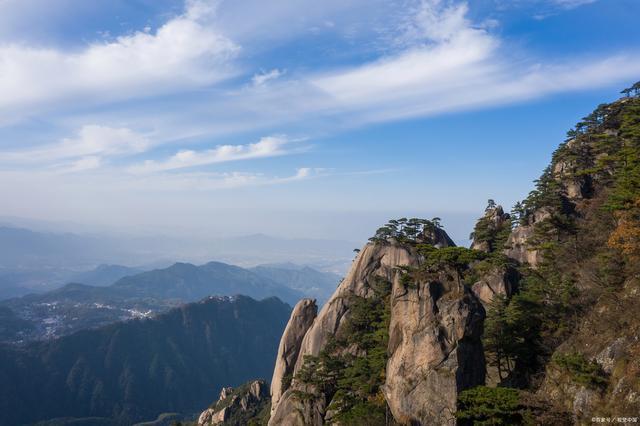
[264, 77]
[270, 146]
[91, 143]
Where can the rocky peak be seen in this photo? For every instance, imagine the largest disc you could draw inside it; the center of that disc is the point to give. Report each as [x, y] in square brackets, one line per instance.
[435, 236]
[433, 333]
[492, 229]
[224, 393]
[518, 245]
[236, 406]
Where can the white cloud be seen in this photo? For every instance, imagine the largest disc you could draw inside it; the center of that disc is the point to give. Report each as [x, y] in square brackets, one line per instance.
[123, 184]
[185, 52]
[263, 77]
[410, 73]
[83, 164]
[436, 21]
[91, 142]
[269, 146]
[437, 61]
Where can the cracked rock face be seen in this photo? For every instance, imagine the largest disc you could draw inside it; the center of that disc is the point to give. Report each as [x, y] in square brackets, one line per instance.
[518, 241]
[435, 350]
[501, 281]
[375, 260]
[303, 315]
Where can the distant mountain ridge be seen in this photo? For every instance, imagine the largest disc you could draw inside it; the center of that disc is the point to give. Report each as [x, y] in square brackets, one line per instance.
[185, 281]
[136, 370]
[104, 275]
[76, 306]
[311, 282]
[35, 261]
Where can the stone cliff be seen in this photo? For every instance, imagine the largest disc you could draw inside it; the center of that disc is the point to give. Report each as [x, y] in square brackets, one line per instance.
[434, 329]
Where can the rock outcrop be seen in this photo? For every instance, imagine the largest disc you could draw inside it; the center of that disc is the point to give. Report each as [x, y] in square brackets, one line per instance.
[519, 245]
[434, 339]
[437, 237]
[301, 319]
[488, 228]
[576, 186]
[236, 406]
[374, 260]
[502, 280]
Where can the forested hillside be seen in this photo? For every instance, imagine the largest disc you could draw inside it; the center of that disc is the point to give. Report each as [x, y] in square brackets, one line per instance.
[568, 337]
[135, 370]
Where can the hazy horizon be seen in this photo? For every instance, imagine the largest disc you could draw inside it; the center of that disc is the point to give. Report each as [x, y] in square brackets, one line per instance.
[197, 119]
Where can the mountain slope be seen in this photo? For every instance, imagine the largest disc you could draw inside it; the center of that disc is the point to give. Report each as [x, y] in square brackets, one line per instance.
[104, 275]
[133, 371]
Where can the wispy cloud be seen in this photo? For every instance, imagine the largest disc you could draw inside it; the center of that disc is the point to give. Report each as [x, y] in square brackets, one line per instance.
[449, 64]
[92, 142]
[438, 61]
[570, 4]
[212, 181]
[83, 164]
[269, 146]
[263, 77]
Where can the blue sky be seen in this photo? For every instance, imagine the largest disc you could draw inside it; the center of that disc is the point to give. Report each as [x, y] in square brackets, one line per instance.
[298, 118]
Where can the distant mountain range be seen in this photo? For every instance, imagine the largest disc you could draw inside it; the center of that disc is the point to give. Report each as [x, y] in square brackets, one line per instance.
[76, 307]
[39, 261]
[133, 371]
[187, 282]
[104, 275]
